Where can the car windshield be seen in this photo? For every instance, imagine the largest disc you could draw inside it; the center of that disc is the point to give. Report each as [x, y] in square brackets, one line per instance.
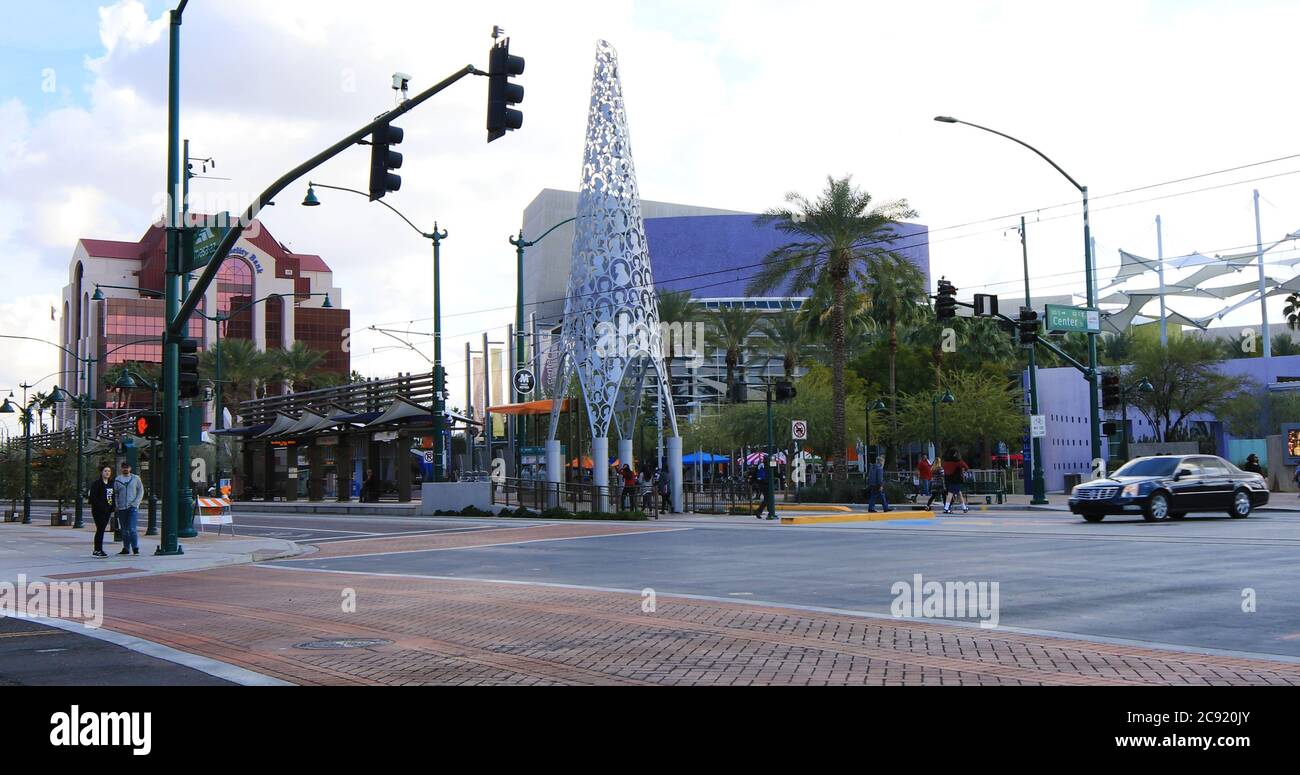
[1155, 466]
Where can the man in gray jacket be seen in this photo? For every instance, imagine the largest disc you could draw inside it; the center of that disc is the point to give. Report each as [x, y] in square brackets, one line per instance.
[128, 492]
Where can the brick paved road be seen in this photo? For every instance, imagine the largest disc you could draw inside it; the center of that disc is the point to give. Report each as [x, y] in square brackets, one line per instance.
[467, 632]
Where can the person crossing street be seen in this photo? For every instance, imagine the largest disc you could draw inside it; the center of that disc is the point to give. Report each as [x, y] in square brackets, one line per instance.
[128, 492]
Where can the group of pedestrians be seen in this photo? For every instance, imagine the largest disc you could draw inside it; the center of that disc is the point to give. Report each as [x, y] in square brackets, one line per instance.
[118, 497]
[945, 481]
[640, 487]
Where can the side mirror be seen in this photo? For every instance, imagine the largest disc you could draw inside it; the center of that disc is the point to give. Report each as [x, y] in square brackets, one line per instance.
[1183, 473]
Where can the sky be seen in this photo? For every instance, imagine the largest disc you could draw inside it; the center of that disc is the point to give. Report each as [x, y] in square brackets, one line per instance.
[731, 104]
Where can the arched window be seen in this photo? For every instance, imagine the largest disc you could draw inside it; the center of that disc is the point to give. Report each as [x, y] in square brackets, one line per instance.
[235, 290]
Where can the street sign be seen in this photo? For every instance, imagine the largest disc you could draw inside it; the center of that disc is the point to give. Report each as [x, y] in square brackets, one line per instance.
[1080, 320]
[524, 381]
[429, 457]
[1038, 426]
[799, 430]
[203, 242]
[986, 305]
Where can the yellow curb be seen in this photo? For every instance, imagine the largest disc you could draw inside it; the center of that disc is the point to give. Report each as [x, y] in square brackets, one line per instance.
[818, 509]
[860, 516]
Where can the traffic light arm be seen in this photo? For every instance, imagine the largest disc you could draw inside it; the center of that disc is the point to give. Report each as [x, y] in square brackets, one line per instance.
[1058, 352]
[176, 326]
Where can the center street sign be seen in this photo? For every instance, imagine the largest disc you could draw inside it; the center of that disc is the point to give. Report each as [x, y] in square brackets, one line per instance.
[1081, 320]
[203, 242]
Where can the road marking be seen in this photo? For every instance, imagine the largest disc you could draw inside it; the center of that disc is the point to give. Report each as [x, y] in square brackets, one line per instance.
[34, 634]
[488, 546]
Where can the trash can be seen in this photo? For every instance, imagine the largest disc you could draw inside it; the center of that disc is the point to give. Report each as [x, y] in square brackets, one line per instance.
[1072, 481]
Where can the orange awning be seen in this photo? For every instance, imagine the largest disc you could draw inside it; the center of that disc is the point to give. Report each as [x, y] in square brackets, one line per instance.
[530, 409]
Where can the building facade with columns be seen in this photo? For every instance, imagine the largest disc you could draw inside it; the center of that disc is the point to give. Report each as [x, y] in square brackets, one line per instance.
[127, 324]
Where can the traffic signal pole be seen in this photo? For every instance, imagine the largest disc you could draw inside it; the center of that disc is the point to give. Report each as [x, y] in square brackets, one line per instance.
[178, 311]
[170, 545]
[1039, 482]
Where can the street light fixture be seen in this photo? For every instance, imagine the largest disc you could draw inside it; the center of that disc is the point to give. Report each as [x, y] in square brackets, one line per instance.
[436, 237]
[1093, 375]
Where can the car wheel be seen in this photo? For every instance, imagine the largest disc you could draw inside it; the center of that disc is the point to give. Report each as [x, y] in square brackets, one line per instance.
[1094, 517]
[1157, 508]
[1240, 505]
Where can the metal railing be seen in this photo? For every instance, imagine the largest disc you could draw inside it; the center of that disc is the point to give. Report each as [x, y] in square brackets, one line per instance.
[575, 497]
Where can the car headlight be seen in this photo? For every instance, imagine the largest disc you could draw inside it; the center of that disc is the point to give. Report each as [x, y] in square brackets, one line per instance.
[1132, 491]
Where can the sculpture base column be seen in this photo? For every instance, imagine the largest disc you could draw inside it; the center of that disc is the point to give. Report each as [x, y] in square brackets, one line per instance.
[675, 472]
[554, 473]
[600, 475]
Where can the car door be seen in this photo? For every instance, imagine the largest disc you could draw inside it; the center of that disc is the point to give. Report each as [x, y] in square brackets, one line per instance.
[1216, 484]
[1187, 491]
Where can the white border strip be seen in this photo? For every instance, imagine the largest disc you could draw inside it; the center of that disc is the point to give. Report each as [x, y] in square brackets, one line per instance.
[314, 558]
[212, 667]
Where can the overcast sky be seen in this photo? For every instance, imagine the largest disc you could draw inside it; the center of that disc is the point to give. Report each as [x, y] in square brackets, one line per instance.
[731, 104]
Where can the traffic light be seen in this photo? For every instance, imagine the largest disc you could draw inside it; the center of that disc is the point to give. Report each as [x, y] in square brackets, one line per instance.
[382, 159]
[1109, 429]
[189, 368]
[147, 426]
[501, 118]
[1110, 391]
[784, 391]
[945, 303]
[1028, 327]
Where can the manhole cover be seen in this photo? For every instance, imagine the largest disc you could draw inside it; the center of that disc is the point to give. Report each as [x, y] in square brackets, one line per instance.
[343, 644]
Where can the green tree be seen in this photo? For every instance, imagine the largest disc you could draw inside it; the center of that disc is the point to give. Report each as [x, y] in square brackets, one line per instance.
[836, 240]
[987, 410]
[733, 326]
[295, 365]
[1292, 311]
[243, 371]
[787, 339]
[1187, 381]
[675, 307]
[1254, 412]
[1116, 349]
[1283, 344]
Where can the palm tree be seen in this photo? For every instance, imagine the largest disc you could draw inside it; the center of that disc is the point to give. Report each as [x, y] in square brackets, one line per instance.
[859, 329]
[835, 238]
[895, 291]
[733, 326]
[243, 370]
[675, 307]
[788, 339]
[42, 401]
[1117, 349]
[1292, 311]
[296, 364]
[1283, 344]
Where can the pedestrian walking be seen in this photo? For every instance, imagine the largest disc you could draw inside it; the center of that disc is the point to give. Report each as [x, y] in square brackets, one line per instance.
[128, 492]
[954, 477]
[628, 499]
[1296, 478]
[1252, 465]
[876, 486]
[937, 487]
[101, 506]
[923, 473]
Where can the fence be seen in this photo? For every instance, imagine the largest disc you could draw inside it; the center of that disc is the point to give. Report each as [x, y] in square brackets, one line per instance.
[540, 495]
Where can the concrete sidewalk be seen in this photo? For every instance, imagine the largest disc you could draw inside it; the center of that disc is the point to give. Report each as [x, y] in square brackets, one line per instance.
[63, 553]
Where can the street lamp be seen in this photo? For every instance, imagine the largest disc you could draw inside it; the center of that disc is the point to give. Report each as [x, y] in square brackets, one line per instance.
[935, 400]
[1144, 386]
[1094, 390]
[439, 398]
[521, 244]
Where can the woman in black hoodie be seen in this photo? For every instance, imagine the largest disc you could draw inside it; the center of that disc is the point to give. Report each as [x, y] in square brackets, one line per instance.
[101, 506]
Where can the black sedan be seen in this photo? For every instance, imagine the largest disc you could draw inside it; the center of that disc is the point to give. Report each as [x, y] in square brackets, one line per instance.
[1169, 487]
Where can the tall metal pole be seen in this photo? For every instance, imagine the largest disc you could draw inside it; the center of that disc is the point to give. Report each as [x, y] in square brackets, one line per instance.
[1094, 376]
[771, 457]
[520, 422]
[83, 402]
[1263, 292]
[27, 469]
[152, 528]
[1123, 398]
[1039, 483]
[221, 409]
[439, 400]
[170, 545]
[1160, 266]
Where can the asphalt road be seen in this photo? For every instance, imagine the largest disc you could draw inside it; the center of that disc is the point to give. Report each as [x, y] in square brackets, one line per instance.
[33, 654]
[1176, 583]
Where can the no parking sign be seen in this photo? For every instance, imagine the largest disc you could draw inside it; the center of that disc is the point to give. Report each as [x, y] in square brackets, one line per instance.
[799, 430]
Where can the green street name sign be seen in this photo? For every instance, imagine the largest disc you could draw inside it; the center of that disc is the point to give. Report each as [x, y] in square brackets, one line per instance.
[202, 243]
[1080, 320]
